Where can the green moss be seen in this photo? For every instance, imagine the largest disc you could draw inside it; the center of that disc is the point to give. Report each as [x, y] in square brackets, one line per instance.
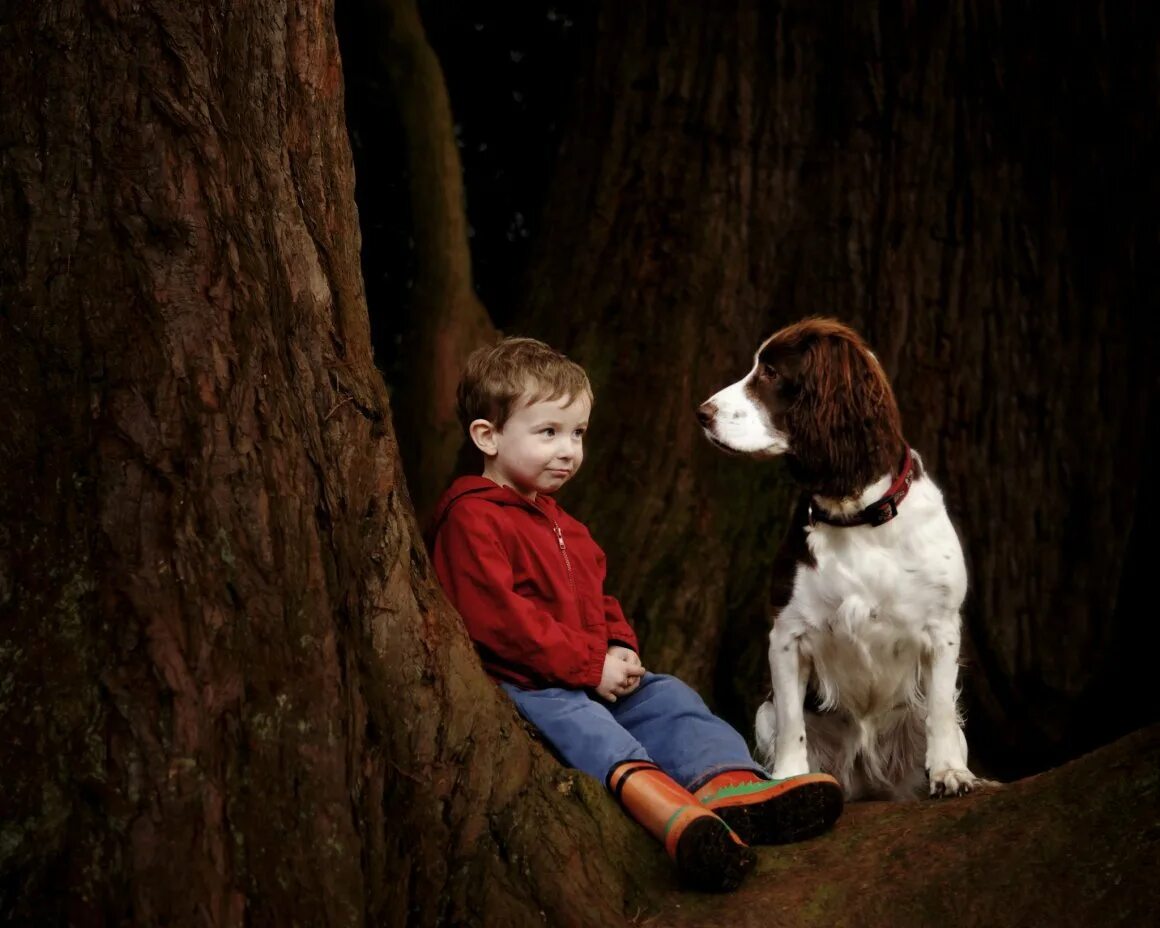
[69, 618]
[227, 553]
[824, 902]
[774, 862]
[10, 656]
[11, 837]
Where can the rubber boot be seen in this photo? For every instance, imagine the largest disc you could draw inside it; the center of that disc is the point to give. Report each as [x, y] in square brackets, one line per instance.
[773, 811]
[708, 855]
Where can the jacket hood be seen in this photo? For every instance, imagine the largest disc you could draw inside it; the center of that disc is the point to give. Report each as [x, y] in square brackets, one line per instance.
[482, 488]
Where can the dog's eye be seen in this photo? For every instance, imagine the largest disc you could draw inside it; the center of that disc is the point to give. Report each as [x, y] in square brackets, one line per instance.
[769, 372]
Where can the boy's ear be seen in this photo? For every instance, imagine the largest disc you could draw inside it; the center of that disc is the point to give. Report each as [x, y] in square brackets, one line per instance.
[483, 435]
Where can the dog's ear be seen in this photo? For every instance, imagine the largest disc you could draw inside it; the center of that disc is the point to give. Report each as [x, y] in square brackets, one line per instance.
[845, 426]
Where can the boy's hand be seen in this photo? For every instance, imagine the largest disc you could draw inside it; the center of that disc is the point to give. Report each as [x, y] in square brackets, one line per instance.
[627, 653]
[621, 676]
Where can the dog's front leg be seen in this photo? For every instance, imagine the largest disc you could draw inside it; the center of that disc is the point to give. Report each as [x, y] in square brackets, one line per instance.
[790, 669]
[946, 746]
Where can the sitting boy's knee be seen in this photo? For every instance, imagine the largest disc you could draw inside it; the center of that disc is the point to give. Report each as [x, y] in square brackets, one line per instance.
[669, 685]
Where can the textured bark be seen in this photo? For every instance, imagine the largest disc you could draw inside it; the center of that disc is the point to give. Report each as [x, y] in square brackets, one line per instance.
[733, 167]
[230, 692]
[1075, 846]
[446, 321]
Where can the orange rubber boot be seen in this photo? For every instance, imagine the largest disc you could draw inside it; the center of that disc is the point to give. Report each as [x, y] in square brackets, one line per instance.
[773, 811]
[708, 855]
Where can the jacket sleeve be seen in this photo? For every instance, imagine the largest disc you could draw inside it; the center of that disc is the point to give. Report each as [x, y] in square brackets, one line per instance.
[619, 631]
[473, 567]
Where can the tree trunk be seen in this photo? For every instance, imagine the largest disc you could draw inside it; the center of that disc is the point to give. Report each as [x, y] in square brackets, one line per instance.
[734, 167]
[230, 692]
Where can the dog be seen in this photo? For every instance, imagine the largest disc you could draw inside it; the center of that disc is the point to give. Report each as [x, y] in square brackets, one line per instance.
[869, 582]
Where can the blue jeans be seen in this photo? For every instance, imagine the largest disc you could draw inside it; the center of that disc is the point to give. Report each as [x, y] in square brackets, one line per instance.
[663, 720]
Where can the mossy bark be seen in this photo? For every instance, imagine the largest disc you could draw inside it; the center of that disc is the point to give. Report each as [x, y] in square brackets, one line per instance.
[1076, 846]
[230, 690]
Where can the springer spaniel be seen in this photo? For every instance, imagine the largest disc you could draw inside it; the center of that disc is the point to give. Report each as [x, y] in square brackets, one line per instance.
[869, 581]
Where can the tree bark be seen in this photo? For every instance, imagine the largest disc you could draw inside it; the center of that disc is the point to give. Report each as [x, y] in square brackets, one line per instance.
[1076, 846]
[734, 167]
[230, 692]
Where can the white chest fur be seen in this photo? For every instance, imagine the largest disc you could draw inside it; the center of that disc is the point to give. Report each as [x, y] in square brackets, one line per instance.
[873, 624]
[866, 611]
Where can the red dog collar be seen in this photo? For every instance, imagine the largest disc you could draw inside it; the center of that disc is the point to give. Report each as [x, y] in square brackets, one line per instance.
[877, 513]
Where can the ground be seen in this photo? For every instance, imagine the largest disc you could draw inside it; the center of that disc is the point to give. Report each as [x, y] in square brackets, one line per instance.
[1078, 845]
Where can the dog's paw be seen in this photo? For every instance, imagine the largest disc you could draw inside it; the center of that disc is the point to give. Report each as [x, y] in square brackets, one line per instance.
[952, 781]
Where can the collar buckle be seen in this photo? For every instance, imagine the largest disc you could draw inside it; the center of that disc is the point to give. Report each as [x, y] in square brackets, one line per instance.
[877, 513]
[882, 512]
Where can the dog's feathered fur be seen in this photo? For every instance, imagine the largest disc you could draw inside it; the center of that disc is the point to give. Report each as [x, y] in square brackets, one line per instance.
[866, 618]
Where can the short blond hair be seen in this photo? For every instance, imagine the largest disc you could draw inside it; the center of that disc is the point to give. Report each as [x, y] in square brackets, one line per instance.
[496, 377]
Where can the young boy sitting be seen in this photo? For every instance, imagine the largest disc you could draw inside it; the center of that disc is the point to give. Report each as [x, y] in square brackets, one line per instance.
[529, 582]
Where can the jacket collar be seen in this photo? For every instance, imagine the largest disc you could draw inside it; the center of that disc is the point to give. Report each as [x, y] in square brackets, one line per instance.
[485, 488]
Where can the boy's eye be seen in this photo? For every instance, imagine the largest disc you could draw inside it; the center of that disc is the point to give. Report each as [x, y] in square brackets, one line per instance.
[579, 433]
[550, 432]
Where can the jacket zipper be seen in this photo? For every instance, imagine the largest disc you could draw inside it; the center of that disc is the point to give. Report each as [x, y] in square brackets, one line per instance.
[567, 560]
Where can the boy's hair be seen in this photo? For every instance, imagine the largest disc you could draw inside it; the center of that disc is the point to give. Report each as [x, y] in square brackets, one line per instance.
[498, 375]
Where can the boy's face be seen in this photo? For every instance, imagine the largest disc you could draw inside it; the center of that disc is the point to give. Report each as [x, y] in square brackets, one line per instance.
[540, 447]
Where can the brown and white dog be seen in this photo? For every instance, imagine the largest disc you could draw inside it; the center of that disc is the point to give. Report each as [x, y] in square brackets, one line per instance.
[869, 581]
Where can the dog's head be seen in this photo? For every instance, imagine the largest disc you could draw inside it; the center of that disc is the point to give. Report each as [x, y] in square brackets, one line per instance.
[818, 395]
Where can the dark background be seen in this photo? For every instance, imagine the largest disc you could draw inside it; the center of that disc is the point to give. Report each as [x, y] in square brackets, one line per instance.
[971, 187]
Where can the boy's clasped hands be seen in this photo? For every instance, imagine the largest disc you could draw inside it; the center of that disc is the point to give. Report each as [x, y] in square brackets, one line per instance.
[622, 673]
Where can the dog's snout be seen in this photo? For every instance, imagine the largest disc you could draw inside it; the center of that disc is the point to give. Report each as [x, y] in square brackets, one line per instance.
[705, 413]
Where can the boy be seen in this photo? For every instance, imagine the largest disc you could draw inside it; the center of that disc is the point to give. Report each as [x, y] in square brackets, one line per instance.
[528, 580]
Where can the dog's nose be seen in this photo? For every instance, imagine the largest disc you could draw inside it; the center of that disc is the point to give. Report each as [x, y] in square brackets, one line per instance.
[705, 413]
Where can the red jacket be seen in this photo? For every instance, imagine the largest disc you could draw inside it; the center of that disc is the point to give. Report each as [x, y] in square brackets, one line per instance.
[529, 582]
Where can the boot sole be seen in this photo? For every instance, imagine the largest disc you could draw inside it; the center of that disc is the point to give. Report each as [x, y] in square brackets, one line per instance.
[710, 859]
[804, 808]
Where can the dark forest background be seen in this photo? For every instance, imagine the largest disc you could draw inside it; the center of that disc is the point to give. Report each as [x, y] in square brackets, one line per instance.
[656, 189]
